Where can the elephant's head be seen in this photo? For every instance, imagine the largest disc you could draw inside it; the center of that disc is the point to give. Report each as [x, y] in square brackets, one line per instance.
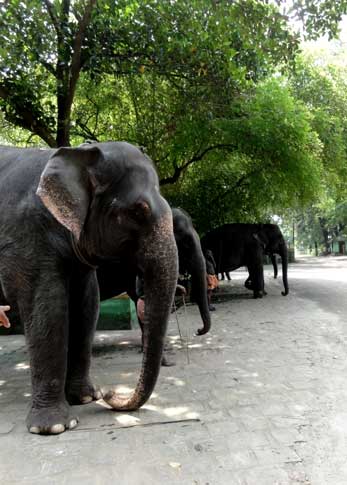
[192, 261]
[274, 243]
[107, 196]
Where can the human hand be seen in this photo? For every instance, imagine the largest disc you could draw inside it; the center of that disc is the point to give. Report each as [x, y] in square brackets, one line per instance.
[4, 321]
[180, 290]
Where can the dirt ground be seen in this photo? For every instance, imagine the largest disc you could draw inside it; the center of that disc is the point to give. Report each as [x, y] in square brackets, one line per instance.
[261, 399]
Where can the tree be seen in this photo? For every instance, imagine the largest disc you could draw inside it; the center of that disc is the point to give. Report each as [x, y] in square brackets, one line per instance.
[322, 86]
[197, 83]
[274, 165]
[45, 46]
[32, 71]
[319, 17]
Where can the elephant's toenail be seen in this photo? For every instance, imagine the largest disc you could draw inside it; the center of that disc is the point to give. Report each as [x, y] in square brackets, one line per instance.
[86, 399]
[73, 423]
[34, 429]
[57, 428]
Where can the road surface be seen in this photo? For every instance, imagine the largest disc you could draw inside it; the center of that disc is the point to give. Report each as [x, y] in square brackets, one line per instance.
[260, 400]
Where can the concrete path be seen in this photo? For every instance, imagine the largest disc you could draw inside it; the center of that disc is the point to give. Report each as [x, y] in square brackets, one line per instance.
[261, 400]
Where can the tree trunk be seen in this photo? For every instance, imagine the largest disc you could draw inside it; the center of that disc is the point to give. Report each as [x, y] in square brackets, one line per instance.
[325, 232]
[68, 66]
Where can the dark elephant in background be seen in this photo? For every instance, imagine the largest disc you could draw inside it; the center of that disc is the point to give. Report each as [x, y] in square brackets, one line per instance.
[62, 213]
[233, 246]
[236, 245]
[273, 259]
[114, 279]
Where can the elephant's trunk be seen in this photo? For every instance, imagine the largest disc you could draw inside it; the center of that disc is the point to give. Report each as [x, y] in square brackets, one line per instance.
[160, 268]
[197, 270]
[274, 264]
[284, 256]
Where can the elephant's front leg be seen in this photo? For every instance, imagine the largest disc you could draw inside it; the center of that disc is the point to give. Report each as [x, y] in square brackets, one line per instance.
[83, 315]
[45, 314]
[256, 276]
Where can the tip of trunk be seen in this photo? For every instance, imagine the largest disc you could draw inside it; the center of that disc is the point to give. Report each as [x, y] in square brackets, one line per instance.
[119, 403]
[285, 293]
[205, 329]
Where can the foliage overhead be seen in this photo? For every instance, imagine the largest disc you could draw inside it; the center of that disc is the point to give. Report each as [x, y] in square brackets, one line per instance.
[190, 44]
[319, 17]
[322, 87]
[202, 85]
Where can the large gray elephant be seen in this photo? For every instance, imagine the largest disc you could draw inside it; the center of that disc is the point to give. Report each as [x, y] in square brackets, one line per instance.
[236, 245]
[114, 278]
[62, 212]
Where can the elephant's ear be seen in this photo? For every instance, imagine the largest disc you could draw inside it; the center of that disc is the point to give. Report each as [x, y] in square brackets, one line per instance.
[65, 185]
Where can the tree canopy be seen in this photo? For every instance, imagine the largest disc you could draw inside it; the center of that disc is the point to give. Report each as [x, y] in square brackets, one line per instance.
[216, 91]
[322, 87]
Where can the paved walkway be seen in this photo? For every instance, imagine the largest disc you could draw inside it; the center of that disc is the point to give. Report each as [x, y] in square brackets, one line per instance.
[259, 400]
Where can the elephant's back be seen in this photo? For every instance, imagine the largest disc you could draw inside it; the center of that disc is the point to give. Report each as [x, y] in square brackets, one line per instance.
[20, 171]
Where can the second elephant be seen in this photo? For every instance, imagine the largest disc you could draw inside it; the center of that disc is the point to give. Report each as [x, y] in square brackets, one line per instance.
[114, 279]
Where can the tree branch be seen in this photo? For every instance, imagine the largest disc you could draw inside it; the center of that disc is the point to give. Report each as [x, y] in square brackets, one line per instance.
[238, 184]
[26, 119]
[48, 66]
[86, 132]
[52, 14]
[196, 158]
[68, 71]
[77, 48]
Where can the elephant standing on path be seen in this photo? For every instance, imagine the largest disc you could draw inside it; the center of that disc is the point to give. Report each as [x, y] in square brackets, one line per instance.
[236, 245]
[62, 213]
[114, 279]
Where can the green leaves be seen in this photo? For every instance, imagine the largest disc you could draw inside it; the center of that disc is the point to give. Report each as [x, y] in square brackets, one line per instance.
[322, 86]
[269, 160]
[319, 17]
[198, 83]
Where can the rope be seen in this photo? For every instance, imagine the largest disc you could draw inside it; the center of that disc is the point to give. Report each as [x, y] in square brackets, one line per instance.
[184, 344]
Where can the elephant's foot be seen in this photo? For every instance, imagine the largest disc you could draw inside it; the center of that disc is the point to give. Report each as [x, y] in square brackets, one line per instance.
[50, 420]
[166, 362]
[81, 392]
[165, 359]
[257, 294]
